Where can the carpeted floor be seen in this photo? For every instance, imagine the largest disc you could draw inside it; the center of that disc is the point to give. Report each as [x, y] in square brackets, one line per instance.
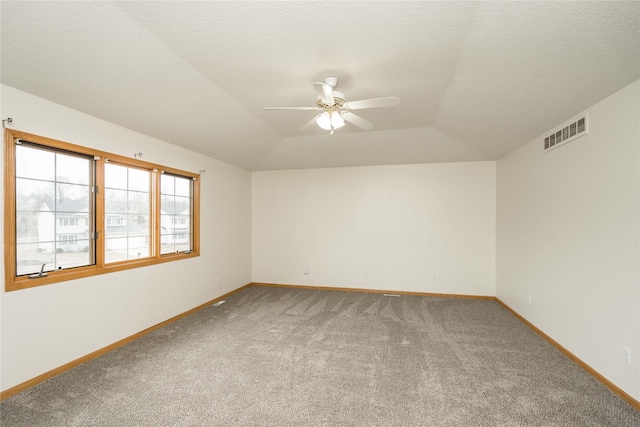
[297, 357]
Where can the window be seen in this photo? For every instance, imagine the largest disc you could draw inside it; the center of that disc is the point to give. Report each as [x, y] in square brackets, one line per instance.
[51, 186]
[176, 215]
[127, 194]
[115, 221]
[69, 240]
[81, 212]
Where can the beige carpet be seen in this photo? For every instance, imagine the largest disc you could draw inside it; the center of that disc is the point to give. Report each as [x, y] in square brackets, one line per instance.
[293, 357]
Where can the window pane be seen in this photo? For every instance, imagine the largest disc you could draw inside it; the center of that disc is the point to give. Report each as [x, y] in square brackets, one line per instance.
[166, 224]
[31, 194]
[137, 247]
[73, 194]
[115, 249]
[182, 205]
[27, 228]
[35, 163]
[167, 203]
[183, 187]
[138, 202]
[115, 176]
[138, 231]
[72, 231]
[31, 256]
[74, 253]
[138, 224]
[72, 169]
[52, 216]
[182, 241]
[167, 184]
[115, 201]
[167, 244]
[34, 202]
[138, 180]
[176, 210]
[127, 213]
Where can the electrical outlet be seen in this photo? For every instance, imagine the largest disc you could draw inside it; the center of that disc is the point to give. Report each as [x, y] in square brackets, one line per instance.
[626, 355]
[529, 299]
[305, 270]
[217, 280]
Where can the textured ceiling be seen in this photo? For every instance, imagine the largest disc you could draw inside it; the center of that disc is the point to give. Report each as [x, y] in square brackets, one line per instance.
[476, 79]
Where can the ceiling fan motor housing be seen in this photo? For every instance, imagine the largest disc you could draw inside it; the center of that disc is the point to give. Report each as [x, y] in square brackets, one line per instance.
[338, 102]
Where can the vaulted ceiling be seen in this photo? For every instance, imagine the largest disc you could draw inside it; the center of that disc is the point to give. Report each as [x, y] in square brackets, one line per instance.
[476, 80]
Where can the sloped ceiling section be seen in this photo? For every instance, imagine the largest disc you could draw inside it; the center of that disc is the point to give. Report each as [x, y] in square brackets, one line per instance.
[476, 79]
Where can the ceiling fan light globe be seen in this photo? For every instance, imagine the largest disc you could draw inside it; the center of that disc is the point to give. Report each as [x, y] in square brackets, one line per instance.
[337, 121]
[324, 121]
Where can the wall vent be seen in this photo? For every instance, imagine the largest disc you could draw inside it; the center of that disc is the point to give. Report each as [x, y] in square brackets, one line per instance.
[575, 129]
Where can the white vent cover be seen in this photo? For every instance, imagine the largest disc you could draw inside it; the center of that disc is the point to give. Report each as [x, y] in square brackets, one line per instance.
[575, 129]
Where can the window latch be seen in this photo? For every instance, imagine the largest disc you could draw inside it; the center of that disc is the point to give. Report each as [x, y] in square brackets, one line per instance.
[40, 274]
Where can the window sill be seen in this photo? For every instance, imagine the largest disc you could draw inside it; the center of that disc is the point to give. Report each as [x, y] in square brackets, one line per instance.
[23, 282]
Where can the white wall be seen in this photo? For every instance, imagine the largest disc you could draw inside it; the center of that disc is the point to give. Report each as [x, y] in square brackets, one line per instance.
[421, 228]
[45, 327]
[568, 227]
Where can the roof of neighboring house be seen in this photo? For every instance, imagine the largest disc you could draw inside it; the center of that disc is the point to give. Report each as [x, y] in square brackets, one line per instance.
[76, 209]
[69, 207]
[81, 208]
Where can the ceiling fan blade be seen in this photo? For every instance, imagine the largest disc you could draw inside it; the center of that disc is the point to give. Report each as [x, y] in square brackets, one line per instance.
[310, 122]
[325, 92]
[387, 101]
[356, 120]
[292, 108]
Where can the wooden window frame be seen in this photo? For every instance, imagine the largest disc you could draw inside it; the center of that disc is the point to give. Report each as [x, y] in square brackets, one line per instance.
[13, 282]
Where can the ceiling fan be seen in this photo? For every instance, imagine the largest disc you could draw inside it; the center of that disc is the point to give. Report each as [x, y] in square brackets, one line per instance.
[335, 109]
